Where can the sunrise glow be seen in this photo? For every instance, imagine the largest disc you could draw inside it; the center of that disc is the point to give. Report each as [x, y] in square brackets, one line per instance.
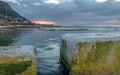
[44, 22]
[114, 21]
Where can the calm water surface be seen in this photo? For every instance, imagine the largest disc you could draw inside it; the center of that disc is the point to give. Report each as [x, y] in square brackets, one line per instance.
[47, 44]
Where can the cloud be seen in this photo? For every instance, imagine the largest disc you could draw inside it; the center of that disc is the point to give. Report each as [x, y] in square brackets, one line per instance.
[13, 1]
[43, 22]
[69, 11]
[117, 0]
[114, 21]
[36, 4]
[52, 1]
[100, 0]
[24, 5]
[91, 6]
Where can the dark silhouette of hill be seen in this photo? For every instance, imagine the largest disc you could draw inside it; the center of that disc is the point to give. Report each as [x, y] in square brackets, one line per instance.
[6, 12]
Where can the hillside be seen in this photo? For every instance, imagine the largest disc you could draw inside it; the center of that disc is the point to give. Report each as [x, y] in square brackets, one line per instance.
[7, 13]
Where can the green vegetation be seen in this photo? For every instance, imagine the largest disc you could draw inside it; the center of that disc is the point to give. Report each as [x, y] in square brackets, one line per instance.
[14, 68]
[97, 58]
[100, 53]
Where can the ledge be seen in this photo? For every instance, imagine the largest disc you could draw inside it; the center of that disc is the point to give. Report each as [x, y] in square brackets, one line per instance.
[91, 53]
[18, 60]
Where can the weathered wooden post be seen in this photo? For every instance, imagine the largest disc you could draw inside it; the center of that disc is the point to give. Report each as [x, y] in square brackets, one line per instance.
[18, 60]
[91, 53]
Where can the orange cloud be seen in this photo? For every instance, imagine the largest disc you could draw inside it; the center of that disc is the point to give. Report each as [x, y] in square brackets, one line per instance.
[44, 22]
[114, 21]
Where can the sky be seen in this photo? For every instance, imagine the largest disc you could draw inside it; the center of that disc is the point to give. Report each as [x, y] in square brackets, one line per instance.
[69, 12]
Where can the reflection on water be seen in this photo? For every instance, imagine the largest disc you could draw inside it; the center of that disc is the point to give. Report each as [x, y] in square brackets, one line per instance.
[47, 44]
[6, 39]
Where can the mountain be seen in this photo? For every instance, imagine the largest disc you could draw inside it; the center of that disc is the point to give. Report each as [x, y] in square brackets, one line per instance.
[7, 13]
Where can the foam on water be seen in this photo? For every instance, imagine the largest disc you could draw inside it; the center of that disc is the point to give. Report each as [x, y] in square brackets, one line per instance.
[88, 37]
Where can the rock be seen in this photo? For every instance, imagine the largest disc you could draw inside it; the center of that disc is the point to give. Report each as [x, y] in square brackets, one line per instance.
[91, 53]
[18, 60]
[11, 16]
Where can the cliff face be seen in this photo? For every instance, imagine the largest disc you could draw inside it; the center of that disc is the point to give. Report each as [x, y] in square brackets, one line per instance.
[7, 13]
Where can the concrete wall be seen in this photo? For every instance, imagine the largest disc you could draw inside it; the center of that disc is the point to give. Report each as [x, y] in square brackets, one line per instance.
[91, 53]
[18, 60]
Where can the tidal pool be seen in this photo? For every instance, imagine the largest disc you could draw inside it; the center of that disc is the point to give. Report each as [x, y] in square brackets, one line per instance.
[47, 44]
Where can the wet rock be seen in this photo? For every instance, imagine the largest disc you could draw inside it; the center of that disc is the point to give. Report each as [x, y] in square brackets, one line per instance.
[91, 53]
[18, 60]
